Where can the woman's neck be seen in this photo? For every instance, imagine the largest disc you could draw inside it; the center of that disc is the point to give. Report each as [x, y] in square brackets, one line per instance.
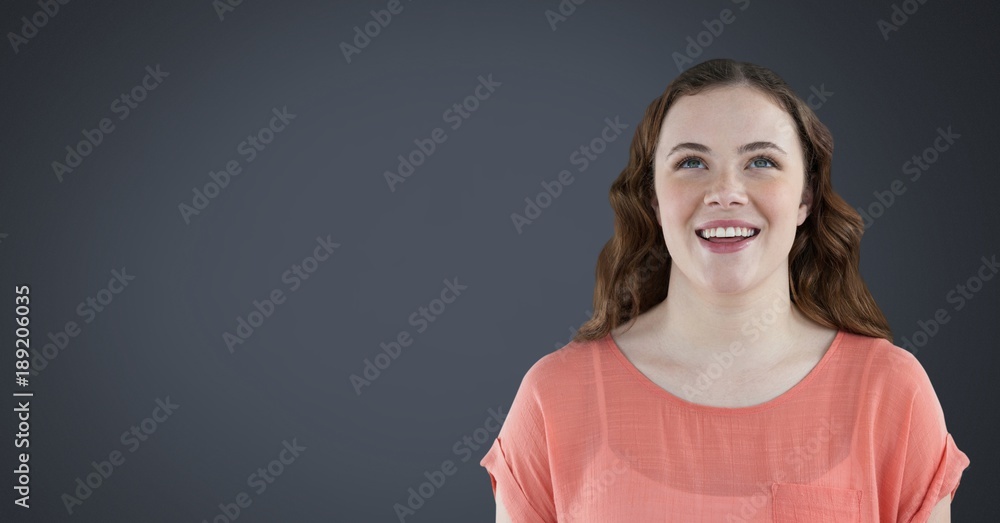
[694, 327]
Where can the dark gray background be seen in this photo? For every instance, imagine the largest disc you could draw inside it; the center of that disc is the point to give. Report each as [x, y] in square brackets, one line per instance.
[323, 175]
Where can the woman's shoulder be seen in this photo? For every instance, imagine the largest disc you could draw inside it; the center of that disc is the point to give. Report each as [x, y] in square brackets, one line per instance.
[883, 364]
[878, 351]
[563, 367]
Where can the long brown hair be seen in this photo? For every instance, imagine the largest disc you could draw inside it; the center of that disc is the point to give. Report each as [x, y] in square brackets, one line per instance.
[825, 283]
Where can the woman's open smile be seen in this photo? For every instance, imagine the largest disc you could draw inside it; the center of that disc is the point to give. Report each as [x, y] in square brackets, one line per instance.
[726, 236]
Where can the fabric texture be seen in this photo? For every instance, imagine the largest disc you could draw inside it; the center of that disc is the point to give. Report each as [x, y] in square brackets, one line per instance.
[588, 437]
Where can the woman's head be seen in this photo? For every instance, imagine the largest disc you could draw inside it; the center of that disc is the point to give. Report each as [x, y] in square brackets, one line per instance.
[780, 185]
[729, 157]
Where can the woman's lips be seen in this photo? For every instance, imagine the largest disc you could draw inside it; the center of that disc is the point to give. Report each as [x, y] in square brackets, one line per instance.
[727, 245]
[734, 239]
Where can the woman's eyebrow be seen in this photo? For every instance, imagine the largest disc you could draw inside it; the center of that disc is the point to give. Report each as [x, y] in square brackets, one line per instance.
[752, 146]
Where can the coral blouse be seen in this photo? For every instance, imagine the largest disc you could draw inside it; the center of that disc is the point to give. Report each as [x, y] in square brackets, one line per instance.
[861, 438]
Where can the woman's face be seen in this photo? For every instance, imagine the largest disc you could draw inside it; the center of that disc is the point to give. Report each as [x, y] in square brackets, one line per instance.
[702, 175]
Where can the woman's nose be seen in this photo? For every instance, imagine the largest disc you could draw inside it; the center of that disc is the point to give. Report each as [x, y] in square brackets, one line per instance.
[726, 188]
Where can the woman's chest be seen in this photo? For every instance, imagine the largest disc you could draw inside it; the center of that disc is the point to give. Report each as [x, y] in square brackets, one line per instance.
[720, 384]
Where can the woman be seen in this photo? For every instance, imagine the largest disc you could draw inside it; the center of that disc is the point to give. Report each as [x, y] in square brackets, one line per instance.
[736, 367]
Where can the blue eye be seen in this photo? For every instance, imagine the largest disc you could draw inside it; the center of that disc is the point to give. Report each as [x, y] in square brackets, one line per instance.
[682, 163]
[764, 159]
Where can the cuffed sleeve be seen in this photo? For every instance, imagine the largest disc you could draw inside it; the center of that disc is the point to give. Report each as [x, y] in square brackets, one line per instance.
[518, 504]
[933, 462]
[518, 460]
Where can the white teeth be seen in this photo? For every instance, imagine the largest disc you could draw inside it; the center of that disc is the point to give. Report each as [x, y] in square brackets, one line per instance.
[727, 232]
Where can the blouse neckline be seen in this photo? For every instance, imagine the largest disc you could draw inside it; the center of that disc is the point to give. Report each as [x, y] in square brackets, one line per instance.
[710, 409]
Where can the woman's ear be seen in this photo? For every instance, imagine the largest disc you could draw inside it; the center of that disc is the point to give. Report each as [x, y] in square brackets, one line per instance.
[656, 209]
[806, 206]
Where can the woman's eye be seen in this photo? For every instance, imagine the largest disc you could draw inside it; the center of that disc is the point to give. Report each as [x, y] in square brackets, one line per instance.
[762, 162]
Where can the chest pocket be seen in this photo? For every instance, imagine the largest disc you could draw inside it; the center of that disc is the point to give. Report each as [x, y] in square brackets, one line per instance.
[795, 503]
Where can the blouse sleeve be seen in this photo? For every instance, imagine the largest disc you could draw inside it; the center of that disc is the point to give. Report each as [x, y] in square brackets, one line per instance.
[932, 463]
[518, 461]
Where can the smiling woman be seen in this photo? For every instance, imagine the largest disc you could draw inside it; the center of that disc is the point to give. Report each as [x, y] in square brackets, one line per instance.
[796, 405]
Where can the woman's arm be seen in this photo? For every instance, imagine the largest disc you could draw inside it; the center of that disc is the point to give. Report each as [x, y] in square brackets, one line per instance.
[504, 517]
[940, 514]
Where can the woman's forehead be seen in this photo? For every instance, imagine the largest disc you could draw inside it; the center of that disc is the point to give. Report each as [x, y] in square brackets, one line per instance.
[726, 118]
